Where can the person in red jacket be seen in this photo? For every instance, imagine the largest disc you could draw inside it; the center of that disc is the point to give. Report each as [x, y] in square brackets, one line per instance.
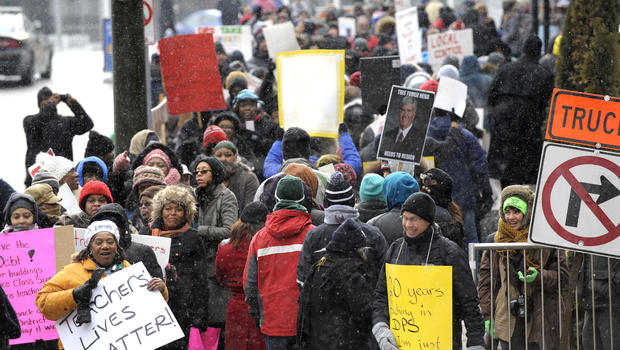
[241, 333]
[270, 271]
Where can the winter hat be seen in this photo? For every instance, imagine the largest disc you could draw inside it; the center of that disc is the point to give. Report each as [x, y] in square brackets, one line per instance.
[350, 233]
[45, 177]
[236, 79]
[98, 145]
[356, 79]
[226, 144]
[19, 200]
[397, 187]
[449, 71]
[360, 44]
[94, 187]
[328, 159]
[338, 191]
[347, 171]
[440, 185]
[42, 193]
[58, 166]
[295, 144]
[244, 94]
[158, 153]
[371, 188]
[218, 171]
[520, 192]
[101, 226]
[145, 173]
[151, 191]
[212, 135]
[290, 188]
[420, 204]
[140, 140]
[85, 165]
[254, 213]
[219, 48]
[44, 93]
[306, 174]
[532, 46]
[515, 202]
[430, 85]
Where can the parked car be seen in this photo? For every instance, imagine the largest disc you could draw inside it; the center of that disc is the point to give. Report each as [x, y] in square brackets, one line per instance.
[24, 48]
[202, 18]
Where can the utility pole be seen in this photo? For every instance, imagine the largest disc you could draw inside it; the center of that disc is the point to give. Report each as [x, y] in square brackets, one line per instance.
[129, 71]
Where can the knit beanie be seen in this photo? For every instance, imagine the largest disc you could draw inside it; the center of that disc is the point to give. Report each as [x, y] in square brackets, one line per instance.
[306, 174]
[45, 177]
[98, 145]
[328, 159]
[19, 200]
[397, 187]
[212, 135]
[295, 144]
[42, 193]
[145, 173]
[347, 171]
[371, 188]
[94, 187]
[243, 95]
[290, 188]
[254, 213]
[440, 185]
[420, 204]
[237, 79]
[226, 144]
[532, 46]
[43, 93]
[87, 163]
[158, 153]
[338, 191]
[101, 226]
[350, 233]
[356, 79]
[58, 166]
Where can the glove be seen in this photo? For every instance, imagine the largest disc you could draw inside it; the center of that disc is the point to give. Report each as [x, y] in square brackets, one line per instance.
[384, 336]
[279, 134]
[83, 293]
[121, 162]
[487, 326]
[171, 274]
[173, 177]
[342, 128]
[476, 347]
[530, 277]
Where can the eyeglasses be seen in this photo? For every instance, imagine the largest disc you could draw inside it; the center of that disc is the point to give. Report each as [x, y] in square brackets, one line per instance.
[145, 204]
[201, 172]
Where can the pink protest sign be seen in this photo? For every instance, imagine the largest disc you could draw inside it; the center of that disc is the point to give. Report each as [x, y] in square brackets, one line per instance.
[27, 261]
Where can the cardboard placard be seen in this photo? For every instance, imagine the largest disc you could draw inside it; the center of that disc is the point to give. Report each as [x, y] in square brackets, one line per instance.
[232, 38]
[280, 38]
[378, 76]
[420, 304]
[459, 43]
[407, 29]
[160, 246]
[191, 74]
[346, 27]
[311, 99]
[68, 200]
[63, 243]
[451, 96]
[409, 114]
[124, 315]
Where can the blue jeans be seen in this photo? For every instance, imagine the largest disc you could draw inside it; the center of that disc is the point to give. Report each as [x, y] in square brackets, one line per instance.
[280, 343]
[470, 231]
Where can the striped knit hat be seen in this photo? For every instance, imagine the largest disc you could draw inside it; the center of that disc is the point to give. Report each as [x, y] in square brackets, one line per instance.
[338, 191]
[158, 153]
[145, 173]
[213, 134]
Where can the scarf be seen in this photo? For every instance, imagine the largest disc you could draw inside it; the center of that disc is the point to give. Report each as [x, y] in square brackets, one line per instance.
[177, 232]
[288, 204]
[52, 213]
[507, 234]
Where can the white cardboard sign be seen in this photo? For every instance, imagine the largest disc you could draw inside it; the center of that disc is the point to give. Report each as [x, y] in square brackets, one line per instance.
[451, 96]
[346, 27]
[78, 239]
[124, 315]
[232, 38]
[409, 44]
[160, 246]
[459, 43]
[68, 200]
[280, 38]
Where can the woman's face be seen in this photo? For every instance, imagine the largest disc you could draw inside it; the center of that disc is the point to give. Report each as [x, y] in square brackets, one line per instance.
[158, 163]
[94, 202]
[514, 217]
[145, 208]
[228, 128]
[225, 155]
[247, 109]
[22, 217]
[103, 248]
[173, 215]
[203, 174]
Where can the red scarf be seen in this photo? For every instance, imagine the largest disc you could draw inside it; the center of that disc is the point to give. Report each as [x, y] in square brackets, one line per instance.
[170, 233]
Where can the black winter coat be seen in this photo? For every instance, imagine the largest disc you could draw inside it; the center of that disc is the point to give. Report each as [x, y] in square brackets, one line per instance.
[389, 224]
[335, 310]
[8, 319]
[465, 302]
[370, 209]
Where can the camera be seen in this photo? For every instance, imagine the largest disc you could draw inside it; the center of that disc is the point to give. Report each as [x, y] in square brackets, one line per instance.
[64, 97]
[517, 307]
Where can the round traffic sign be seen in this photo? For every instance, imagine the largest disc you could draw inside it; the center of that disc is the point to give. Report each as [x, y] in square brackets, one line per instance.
[148, 13]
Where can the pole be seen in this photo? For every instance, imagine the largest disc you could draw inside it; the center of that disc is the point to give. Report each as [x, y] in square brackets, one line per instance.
[546, 26]
[129, 71]
[535, 17]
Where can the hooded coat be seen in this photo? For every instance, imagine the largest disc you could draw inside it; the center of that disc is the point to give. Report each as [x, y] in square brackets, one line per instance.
[478, 84]
[7, 215]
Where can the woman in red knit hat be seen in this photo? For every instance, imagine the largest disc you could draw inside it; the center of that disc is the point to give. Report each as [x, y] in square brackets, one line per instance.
[94, 194]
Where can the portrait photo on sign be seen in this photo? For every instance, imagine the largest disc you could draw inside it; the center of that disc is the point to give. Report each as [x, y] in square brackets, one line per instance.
[406, 123]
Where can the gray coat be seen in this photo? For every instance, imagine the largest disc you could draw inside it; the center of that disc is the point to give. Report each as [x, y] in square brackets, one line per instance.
[242, 182]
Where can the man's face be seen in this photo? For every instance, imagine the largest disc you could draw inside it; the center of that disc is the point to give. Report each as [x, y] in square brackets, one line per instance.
[407, 114]
[247, 109]
[413, 225]
[362, 25]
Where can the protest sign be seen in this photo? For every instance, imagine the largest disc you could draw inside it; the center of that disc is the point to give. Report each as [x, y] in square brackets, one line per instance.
[160, 246]
[400, 5]
[420, 305]
[407, 29]
[232, 38]
[406, 124]
[27, 261]
[63, 243]
[190, 73]
[311, 99]
[378, 76]
[459, 43]
[78, 239]
[451, 96]
[280, 38]
[346, 27]
[124, 315]
[68, 200]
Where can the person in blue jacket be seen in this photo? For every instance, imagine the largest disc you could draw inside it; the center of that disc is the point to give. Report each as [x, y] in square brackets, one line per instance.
[92, 168]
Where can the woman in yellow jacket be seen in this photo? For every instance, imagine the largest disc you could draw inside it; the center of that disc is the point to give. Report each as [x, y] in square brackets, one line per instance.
[73, 285]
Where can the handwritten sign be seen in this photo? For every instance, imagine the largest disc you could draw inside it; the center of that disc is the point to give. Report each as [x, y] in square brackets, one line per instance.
[420, 305]
[160, 246]
[78, 239]
[451, 96]
[407, 29]
[27, 261]
[124, 315]
[232, 38]
[191, 74]
[459, 43]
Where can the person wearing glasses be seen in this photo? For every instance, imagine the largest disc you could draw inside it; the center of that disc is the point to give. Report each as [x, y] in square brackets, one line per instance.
[144, 218]
[217, 212]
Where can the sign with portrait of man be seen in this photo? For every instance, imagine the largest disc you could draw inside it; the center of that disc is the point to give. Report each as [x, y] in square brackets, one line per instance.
[406, 123]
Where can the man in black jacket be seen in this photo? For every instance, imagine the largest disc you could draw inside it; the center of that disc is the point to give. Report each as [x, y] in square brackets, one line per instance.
[47, 129]
[423, 244]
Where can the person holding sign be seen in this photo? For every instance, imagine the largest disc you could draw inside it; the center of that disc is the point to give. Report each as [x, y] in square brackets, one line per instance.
[72, 287]
[423, 244]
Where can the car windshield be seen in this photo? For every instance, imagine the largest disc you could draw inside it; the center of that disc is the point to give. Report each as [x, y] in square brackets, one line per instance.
[11, 22]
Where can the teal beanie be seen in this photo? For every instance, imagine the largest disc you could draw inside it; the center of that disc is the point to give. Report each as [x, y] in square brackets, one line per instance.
[371, 188]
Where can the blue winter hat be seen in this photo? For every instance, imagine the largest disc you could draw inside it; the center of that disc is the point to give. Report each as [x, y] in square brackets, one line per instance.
[397, 187]
[245, 94]
[372, 188]
[96, 160]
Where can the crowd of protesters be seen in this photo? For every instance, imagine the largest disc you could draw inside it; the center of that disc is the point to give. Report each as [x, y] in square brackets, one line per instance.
[280, 239]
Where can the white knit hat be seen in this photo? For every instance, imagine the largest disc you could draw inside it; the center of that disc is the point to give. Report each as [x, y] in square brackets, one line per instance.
[58, 166]
[101, 226]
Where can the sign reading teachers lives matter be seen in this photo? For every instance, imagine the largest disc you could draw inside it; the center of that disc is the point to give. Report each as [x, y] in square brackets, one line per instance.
[406, 123]
[124, 315]
[420, 305]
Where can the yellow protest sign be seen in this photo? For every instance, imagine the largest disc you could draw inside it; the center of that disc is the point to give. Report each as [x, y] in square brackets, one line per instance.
[420, 305]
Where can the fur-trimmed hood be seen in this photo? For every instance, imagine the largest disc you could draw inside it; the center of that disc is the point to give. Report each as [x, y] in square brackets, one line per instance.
[521, 192]
[178, 194]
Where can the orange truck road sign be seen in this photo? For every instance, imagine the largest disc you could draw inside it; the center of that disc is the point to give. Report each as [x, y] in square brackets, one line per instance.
[584, 119]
